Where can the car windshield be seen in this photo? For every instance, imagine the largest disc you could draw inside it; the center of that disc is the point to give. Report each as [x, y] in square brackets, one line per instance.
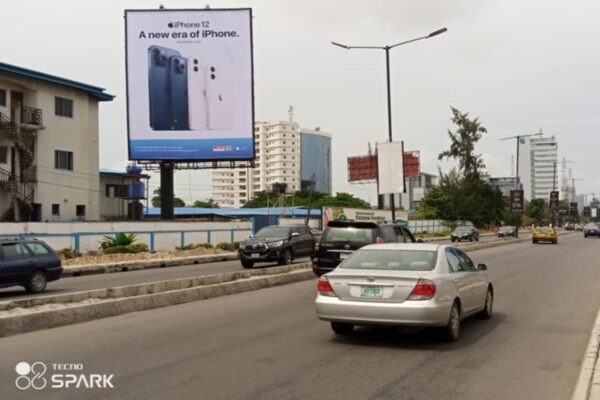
[507, 228]
[349, 234]
[591, 226]
[394, 260]
[273, 231]
[462, 229]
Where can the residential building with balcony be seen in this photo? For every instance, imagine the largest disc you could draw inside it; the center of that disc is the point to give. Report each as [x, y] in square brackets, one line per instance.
[277, 150]
[49, 153]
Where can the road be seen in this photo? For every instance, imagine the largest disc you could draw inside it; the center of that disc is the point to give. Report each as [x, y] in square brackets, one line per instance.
[101, 281]
[268, 344]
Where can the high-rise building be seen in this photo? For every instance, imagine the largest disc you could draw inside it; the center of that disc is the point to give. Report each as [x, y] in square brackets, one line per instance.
[277, 146]
[315, 167]
[539, 167]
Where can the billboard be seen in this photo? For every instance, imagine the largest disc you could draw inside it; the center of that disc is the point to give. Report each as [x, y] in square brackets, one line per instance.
[573, 208]
[189, 84]
[516, 201]
[363, 169]
[355, 214]
[554, 200]
[507, 182]
[587, 211]
[390, 167]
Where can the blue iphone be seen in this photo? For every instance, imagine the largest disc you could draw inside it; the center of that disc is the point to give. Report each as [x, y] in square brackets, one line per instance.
[178, 82]
[159, 88]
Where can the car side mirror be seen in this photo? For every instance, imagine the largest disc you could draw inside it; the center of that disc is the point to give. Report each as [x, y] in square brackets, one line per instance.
[294, 234]
[481, 267]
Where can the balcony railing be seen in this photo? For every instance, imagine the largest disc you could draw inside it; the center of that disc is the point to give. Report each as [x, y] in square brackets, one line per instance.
[31, 116]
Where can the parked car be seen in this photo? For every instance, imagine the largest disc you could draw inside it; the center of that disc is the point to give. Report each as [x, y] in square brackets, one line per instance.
[569, 226]
[29, 263]
[402, 284]
[279, 244]
[342, 238]
[464, 233]
[591, 230]
[544, 234]
[579, 227]
[508, 230]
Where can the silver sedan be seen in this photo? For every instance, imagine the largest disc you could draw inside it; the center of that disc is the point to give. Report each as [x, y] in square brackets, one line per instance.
[402, 284]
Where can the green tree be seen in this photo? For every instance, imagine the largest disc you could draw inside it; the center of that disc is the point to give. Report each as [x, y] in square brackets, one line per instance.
[462, 144]
[539, 213]
[210, 203]
[177, 202]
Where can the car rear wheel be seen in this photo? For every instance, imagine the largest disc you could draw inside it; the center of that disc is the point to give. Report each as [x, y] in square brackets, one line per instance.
[247, 263]
[341, 328]
[534, 241]
[452, 330]
[486, 313]
[555, 241]
[286, 258]
[36, 282]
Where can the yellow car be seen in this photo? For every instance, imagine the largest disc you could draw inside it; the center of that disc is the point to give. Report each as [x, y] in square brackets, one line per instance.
[544, 234]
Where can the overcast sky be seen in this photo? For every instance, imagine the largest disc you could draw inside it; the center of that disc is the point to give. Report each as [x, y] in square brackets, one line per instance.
[517, 65]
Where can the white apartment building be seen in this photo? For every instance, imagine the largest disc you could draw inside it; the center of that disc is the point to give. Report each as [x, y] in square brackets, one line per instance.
[49, 155]
[539, 167]
[277, 147]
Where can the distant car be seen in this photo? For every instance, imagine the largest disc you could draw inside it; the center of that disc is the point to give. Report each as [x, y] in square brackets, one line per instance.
[544, 234]
[464, 233]
[342, 238]
[508, 230]
[279, 244]
[403, 284]
[579, 227]
[591, 230]
[569, 226]
[29, 263]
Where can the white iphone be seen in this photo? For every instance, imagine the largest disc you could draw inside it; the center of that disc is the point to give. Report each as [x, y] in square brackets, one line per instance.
[219, 97]
[197, 104]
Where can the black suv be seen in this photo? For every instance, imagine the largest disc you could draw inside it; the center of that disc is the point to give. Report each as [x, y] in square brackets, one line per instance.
[29, 263]
[464, 233]
[277, 243]
[342, 238]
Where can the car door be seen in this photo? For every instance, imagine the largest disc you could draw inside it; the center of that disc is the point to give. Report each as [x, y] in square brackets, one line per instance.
[462, 279]
[16, 265]
[389, 235]
[306, 240]
[478, 280]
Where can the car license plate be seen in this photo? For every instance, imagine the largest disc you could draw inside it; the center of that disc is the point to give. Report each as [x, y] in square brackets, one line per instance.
[254, 255]
[371, 291]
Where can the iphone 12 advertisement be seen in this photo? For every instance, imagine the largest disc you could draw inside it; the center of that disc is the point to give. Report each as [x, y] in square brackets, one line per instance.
[189, 84]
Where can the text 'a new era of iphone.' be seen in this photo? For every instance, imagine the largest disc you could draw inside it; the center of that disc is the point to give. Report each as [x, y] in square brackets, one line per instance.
[159, 88]
[178, 76]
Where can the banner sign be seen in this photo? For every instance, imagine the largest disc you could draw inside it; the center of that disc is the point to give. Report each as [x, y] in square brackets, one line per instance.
[390, 167]
[358, 214]
[516, 201]
[573, 208]
[189, 84]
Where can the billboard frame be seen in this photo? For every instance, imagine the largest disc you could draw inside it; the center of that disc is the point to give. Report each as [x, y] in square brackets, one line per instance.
[193, 160]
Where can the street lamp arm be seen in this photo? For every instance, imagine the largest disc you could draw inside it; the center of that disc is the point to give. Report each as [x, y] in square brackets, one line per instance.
[344, 46]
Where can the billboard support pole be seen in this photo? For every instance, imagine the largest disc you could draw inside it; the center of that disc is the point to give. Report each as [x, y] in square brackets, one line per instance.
[167, 195]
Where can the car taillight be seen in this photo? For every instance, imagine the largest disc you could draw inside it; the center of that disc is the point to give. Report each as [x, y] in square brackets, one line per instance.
[379, 240]
[318, 244]
[424, 290]
[324, 287]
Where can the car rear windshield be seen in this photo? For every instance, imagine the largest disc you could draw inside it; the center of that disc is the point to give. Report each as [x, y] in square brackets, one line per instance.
[392, 260]
[591, 226]
[463, 229]
[506, 229]
[273, 231]
[544, 230]
[349, 234]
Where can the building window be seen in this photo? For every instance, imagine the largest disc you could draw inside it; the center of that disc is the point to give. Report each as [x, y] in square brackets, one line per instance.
[55, 209]
[2, 98]
[63, 160]
[63, 107]
[3, 154]
[80, 210]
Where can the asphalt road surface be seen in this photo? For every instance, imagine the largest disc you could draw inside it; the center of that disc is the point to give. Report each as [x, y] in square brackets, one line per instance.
[268, 344]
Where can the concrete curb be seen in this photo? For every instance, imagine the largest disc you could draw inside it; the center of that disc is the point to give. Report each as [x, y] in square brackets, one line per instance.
[123, 266]
[87, 306]
[588, 384]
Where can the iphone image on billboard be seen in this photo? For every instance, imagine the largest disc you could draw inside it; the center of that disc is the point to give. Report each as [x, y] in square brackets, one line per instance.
[197, 95]
[159, 88]
[219, 97]
[178, 83]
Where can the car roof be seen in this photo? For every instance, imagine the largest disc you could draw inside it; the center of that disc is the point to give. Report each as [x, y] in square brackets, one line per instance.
[404, 246]
[358, 224]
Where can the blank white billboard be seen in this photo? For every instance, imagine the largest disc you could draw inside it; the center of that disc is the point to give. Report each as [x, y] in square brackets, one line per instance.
[594, 212]
[390, 167]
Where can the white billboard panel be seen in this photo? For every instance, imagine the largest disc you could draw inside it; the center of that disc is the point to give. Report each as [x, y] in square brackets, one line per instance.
[189, 84]
[594, 212]
[390, 165]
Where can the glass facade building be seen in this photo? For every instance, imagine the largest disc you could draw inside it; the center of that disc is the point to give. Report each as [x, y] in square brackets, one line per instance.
[315, 150]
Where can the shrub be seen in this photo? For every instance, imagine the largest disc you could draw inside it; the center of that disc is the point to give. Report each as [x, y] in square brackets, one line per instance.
[132, 248]
[67, 253]
[226, 246]
[236, 245]
[185, 247]
[203, 246]
[120, 239]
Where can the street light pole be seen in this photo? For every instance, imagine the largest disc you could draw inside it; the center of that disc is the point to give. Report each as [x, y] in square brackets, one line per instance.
[389, 90]
[519, 137]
